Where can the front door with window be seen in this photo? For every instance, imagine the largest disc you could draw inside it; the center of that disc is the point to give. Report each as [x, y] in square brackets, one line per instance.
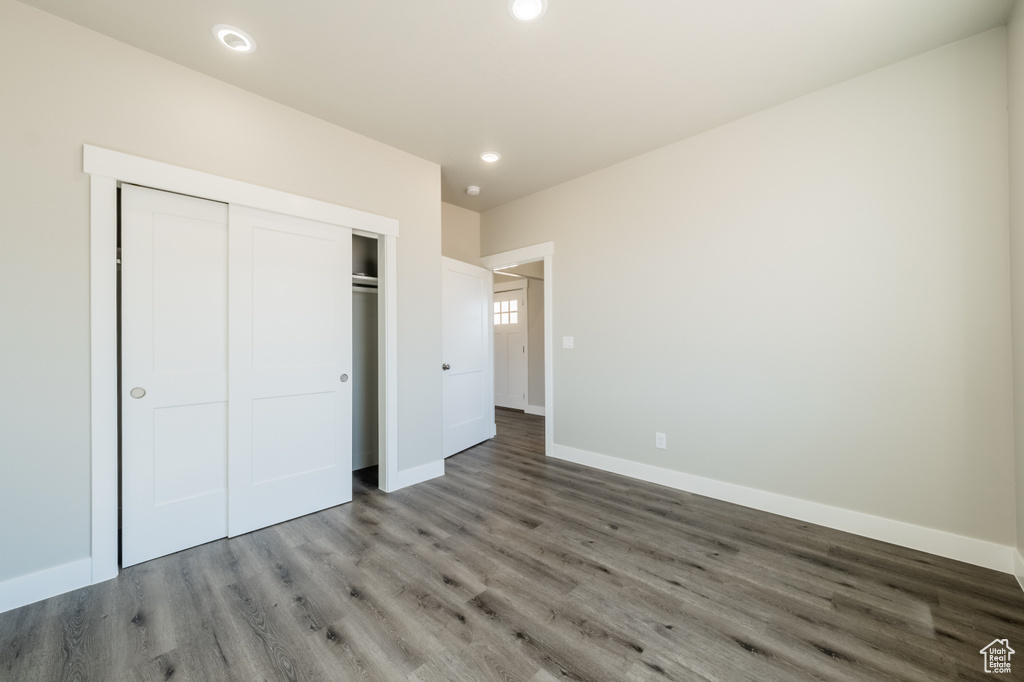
[510, 347]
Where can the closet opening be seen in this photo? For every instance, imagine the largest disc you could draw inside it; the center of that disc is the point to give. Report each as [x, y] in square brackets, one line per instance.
[365, 341]
[256, 208]
[251, 365]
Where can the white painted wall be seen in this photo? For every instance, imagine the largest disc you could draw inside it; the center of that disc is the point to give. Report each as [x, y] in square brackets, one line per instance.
[1015, 54]
[818, 299]
[62, 86]
[460, 233]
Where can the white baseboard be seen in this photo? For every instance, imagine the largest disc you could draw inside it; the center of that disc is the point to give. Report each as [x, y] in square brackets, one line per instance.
[424, 472]
[26, 589]
[1018, 567]
[533, 409]
[969, 550]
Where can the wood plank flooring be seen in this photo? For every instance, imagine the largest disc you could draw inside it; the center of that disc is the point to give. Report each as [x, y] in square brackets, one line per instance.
[518, 567]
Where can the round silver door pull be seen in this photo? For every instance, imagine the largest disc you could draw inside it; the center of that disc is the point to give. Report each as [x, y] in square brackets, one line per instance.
[446, 367]
[344, 378]
[137, 392]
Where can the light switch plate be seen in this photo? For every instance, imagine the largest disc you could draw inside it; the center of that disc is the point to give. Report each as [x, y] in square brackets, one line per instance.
[566, 342]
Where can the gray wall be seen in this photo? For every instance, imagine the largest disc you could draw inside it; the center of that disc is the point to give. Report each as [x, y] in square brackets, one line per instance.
[1016, 86]
[460, 234]
[364, 379]
[817, 301]
[62, 86]
[535, 315]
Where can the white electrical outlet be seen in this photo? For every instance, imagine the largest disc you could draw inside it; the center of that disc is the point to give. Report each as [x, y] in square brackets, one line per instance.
[566, 342]
[659, 440]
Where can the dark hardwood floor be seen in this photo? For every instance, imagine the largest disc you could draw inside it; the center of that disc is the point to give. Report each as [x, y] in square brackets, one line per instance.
[518, 567]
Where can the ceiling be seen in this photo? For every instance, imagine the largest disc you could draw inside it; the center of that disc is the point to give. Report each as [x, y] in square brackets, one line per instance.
[591, 83]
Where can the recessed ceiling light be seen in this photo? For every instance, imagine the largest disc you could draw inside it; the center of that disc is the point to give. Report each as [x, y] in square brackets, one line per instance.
[527, 10]
[473, 191]
[235, 38]
[490, 157]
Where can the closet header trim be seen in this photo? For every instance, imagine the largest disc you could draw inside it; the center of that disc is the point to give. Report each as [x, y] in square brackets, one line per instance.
[149, 173]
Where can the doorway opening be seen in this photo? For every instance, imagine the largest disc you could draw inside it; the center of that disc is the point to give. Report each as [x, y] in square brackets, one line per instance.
[536, 264]
[518, 321]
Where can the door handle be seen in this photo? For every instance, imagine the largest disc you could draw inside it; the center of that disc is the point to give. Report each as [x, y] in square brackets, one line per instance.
[446, 367]
[137, 392]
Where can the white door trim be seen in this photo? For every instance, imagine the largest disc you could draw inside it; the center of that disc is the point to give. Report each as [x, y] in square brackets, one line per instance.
[103, 380]
[106, 168]
[546, 252]
[387, 364]
[159, 175]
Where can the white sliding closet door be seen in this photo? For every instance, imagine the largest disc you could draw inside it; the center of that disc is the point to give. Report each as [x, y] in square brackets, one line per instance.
[290, 344]
[174, 372]
[236, 349]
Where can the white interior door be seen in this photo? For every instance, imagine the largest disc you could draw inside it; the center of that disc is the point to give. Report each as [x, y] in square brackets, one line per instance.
[174, 372]
[510, 347]
[467, 383]
[290, 344]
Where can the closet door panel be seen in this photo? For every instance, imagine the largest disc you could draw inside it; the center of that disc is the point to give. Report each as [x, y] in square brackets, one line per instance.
[189, 454]
[295, 425]
[294, 281]
[174, 372]
[290, 448]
